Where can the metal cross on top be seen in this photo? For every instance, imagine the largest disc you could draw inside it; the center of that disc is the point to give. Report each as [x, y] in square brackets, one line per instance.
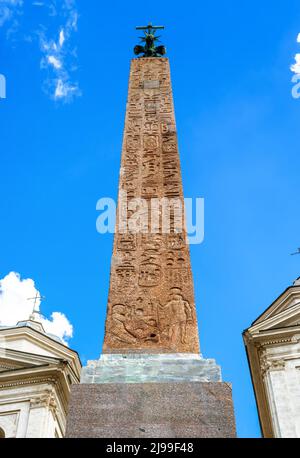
[35, 299]
[149, 49]
[150, 27]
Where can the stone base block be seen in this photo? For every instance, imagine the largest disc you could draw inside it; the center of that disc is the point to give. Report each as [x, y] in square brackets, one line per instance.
[156, 368]
[151, 410]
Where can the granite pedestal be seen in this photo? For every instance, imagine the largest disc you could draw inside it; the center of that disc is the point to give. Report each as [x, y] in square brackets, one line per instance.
[162, 396]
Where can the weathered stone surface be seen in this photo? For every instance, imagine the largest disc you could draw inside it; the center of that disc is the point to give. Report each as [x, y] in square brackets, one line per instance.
[161, 410]
[157, 368]
[151, 303]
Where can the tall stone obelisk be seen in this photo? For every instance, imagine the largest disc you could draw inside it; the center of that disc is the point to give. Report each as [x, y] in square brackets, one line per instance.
[151, 380]
[151, 303]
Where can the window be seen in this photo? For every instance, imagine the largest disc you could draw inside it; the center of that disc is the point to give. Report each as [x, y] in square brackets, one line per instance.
[2, 434]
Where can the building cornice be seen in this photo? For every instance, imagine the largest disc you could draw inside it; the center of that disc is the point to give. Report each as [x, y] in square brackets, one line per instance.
[277, 305]
[276, 327]
[54, 375]
[44, 342]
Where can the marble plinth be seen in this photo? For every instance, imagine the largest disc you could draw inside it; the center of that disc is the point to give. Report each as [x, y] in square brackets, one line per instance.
[151, 368]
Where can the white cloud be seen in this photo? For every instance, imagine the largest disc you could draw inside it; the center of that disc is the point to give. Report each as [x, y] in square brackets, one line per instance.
[61, 38]
[15, 306]
[9, 10]
[52, 60]
[58, 52]
[65, 90]
[296, 67]
[5, 14]
[59, 326]
[58, 55]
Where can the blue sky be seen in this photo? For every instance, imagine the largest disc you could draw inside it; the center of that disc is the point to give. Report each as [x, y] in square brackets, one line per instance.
[239, 138]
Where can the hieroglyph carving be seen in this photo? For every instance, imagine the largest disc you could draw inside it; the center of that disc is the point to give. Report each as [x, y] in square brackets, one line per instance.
[151, 299]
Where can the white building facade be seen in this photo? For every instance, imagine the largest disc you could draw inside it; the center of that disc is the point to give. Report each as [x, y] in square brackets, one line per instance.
[36, 373]
[273, 349]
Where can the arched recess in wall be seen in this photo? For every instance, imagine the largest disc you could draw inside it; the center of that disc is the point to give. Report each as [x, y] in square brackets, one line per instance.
[2, 433]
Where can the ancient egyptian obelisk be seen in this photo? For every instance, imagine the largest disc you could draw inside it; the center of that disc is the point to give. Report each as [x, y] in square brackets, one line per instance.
[151, 380]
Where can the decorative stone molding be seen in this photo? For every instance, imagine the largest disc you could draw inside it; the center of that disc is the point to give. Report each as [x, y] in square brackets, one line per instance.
[277, 341]
[47, 399]
[264, 367]
[265, 343]
[248, 336]
[28, 381]
[6, 367]
[271, 365]
[296, 338]
[63, 365]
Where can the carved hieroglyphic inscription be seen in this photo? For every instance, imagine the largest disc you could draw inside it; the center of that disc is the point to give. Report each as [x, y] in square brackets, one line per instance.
[151, 304]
